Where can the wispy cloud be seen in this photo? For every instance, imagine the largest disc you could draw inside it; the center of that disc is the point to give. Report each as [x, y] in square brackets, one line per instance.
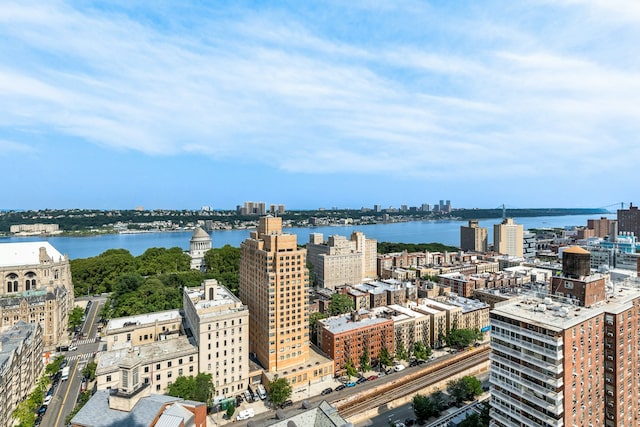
[278, 88]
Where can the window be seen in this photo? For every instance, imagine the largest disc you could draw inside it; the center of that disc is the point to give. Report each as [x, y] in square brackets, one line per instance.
[108, 378]
[158, 366]
[168, 364]
[146, 369]
[157, 377]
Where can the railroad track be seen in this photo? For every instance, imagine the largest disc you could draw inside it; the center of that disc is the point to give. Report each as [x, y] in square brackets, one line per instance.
[411, 384]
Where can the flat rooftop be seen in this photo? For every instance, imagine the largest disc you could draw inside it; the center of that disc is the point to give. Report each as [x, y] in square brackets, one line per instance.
[559, 314]
[147, 353]
[26, 253]
[340, 324]
[143, 319]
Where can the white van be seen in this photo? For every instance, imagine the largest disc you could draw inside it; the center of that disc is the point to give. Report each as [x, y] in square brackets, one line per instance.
[398, 368]
[245, 414]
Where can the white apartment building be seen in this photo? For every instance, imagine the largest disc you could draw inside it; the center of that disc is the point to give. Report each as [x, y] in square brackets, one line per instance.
[219, 323]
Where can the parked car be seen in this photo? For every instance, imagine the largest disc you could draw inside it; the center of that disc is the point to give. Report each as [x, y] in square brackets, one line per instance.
[287, 403]
[361, 380]
[409, 421]
[42, 410]
[326, 391]
[47, 400]
[351, 384]
[341, 387]
[247, 396]
[398, 368]
[372, 377]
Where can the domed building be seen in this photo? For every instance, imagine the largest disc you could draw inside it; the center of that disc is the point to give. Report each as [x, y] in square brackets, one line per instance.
[200, 243]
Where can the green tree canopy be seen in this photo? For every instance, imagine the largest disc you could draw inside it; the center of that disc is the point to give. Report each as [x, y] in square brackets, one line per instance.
[89, 371]
[99, 274]
[384, 357]
[351, 370]
[465, 388]
[198, 388]
[401, 352]
[279, 391]
[313, 325]
[365, 361]
[461, 338]
[389, 247]
[75, 317]
[156, 261]
[421, 351]
[340, 304]
[223, 264]
[426, 407]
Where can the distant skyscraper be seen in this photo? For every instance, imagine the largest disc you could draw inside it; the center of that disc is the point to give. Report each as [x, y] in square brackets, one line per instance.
[473, 237]
[377, 208]
[508, 238]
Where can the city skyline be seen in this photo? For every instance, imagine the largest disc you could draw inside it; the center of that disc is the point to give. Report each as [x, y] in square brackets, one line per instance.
[178, 106]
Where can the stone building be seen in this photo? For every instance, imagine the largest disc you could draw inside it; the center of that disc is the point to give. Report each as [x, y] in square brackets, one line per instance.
[199, 244]
[37, 288]
[20, 365]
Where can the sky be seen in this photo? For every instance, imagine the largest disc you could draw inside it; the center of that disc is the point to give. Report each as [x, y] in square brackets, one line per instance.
[178, 105]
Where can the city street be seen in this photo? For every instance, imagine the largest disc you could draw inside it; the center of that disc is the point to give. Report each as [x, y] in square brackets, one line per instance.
[66, 392]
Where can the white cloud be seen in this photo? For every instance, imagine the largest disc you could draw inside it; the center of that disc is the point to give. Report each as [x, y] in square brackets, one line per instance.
[265, 90]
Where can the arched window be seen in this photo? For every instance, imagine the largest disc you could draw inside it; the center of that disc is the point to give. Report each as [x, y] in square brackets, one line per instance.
[27, 284]
[15, 286]
[12, 282]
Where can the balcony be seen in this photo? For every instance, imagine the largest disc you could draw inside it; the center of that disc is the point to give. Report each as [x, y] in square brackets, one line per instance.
[526, 332]
[498, 396]
[553, 395]
[529, 346]
[556, 408]
[555, 368]
[556, 382]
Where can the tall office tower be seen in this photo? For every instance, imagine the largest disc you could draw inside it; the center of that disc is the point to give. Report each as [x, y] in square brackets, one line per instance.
[473, 237]
[425, 207]
[377, 208]
[554, 363]
[629, 220]
[508, 238]
[273, 283]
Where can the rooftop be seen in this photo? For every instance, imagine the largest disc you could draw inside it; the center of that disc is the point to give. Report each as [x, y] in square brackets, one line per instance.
[143, 319]
[26, 253]
[344, 323]
[559, 313]
[12, 338]
[146, 353]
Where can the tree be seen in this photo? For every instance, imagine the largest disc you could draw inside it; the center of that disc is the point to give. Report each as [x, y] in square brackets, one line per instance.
[75, 317]
[224, 265]
[421, 351]
[231, 409]
[385, 357]
[54, 366]
[313, 325]
[89, 371]
[465, 388]
[426, 407]
[279, 391]
[401, 352]
[198, 388]
[365, 361]
[472, 420]
[351, 370]
[340, 304]
[461, 338]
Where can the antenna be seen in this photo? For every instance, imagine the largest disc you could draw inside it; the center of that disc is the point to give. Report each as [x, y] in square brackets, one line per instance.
[504, 212]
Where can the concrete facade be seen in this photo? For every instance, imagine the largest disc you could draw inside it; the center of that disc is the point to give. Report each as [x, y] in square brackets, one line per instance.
[508, 238]
[473, 237]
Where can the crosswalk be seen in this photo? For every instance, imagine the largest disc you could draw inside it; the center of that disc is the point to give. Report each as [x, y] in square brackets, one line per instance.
[85, 341]
[82, 356]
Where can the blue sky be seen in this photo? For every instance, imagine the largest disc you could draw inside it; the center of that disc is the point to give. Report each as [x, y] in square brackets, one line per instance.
[316, 104]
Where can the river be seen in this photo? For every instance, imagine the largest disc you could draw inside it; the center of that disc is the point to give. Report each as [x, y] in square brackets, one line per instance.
[446, 232]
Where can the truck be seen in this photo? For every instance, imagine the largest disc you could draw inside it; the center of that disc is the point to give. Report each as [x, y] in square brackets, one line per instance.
[261, 391]
[246, 414]
[65, 373]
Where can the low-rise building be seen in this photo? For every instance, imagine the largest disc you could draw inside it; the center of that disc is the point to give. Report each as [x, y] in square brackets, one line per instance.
[20, 366]
[347, 337]
[142, 328]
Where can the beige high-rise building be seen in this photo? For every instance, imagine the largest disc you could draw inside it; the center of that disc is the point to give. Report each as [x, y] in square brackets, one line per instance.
[473, 237]
[508, 238]
[340, 261]
[273, 283]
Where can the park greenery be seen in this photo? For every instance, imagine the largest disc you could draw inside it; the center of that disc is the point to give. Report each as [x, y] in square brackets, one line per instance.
[152, 281]
[389, 247]
[279, 391]
[426, 407]
[465, 388]
[199, 388]
[461, 338]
